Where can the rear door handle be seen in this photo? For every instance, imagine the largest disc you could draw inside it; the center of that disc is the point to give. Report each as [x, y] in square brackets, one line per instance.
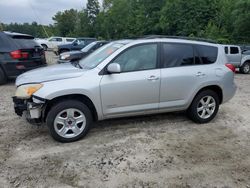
[199, 74]
[151, 78]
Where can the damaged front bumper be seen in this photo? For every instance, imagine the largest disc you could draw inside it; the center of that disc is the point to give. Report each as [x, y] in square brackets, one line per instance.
[31, 108]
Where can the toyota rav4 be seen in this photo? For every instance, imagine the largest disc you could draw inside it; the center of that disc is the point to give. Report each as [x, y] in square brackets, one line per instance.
[127, 78]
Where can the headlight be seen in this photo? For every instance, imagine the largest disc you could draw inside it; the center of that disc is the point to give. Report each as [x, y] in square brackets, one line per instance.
[25, 91]
[64, 56]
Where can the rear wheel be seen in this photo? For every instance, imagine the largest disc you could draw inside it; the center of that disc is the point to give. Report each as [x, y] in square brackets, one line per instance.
[69, 121]
[3, 78]
[204, 107]
[245, 68]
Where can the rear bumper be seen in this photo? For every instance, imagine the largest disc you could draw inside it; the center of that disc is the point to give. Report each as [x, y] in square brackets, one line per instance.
[229, 93]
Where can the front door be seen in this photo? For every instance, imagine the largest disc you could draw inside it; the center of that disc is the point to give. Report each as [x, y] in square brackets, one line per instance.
[136, 89]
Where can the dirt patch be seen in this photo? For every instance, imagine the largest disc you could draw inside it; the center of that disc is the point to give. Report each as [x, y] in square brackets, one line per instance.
[166, 150]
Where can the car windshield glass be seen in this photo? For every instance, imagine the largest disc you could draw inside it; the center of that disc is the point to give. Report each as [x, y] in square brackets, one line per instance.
[95, 58]
[88, 47]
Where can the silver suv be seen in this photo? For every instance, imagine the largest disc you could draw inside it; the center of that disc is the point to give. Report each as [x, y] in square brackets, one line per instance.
[127, 78]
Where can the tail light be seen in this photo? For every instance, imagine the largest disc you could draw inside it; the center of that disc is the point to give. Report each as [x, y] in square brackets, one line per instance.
[231, 67]
[18, 54]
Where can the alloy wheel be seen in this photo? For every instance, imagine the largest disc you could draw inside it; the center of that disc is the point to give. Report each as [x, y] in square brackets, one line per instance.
[70, 123]
[206, 107]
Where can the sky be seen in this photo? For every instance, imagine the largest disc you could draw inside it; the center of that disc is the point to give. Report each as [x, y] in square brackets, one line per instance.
[41, 11]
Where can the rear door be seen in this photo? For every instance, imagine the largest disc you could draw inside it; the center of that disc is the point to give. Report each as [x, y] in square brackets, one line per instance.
[234, 55]
[183, 71]
[136, 89]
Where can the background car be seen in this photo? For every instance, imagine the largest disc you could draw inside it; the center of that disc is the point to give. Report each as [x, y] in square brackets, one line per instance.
[52, 42]
[18, 53]
[238, 58]
[77, 55]
[77, 44]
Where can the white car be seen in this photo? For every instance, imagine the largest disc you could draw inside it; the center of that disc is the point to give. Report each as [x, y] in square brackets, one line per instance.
[53, 42]
[238, 58]
[127, 78]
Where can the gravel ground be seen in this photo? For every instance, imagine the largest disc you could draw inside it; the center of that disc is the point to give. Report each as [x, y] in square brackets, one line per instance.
[166, 150]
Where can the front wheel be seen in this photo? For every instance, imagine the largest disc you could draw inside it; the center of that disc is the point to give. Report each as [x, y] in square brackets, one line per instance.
[204, 107]
[69, 121]
[245, 68]
[45, 47]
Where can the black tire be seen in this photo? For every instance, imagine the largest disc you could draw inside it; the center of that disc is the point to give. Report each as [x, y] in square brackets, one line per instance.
[61, 106]
[193, 109]
[3, 78]
[245, 68]
[45, 47]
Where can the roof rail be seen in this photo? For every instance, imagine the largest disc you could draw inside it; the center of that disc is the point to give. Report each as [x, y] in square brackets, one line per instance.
[177, 37]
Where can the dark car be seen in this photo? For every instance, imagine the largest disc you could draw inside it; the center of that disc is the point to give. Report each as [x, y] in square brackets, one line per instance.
[77, 55]
[18, 53]
[77, 44]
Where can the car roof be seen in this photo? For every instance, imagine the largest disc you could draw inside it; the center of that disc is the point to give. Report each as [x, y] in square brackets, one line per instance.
[17, 35]
[169, 40]
[86, 38]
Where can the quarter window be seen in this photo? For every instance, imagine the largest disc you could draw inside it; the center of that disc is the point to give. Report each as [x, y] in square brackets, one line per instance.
[175, 55]
[138, 58]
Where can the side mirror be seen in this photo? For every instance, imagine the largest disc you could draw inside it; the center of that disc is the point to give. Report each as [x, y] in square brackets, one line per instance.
[114, 68]
[75, 44]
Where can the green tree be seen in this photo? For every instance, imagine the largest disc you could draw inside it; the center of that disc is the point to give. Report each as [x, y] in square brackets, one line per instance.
[181, 17]
[241, 15]
[65, 22]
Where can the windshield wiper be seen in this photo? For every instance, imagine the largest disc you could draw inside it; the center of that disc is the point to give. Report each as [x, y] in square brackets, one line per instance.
[76, 64]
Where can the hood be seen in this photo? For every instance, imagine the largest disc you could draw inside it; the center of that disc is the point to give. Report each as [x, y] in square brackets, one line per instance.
[50, 73]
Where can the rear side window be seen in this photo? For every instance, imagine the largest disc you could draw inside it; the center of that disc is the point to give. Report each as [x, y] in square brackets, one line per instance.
[25, 43]
[5, 44]
[208, 54]
[234, 50]
[22, 41]
[175, 55]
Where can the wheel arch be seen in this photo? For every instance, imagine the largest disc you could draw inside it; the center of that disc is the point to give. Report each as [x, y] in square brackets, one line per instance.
[44, 45]
[79, 97]
[217, 89]
[245, 59]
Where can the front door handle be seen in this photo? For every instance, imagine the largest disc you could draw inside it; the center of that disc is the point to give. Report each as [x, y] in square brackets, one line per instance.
[151, 78]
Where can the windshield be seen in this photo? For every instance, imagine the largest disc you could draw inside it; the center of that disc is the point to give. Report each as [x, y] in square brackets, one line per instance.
[95, 58]
[88, 47]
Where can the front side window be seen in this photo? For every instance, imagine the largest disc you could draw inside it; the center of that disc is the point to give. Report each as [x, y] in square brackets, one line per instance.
[52, 39]
[143, 57]
[175, 55]
[234, 50]
[59, 39]
[69, 40]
